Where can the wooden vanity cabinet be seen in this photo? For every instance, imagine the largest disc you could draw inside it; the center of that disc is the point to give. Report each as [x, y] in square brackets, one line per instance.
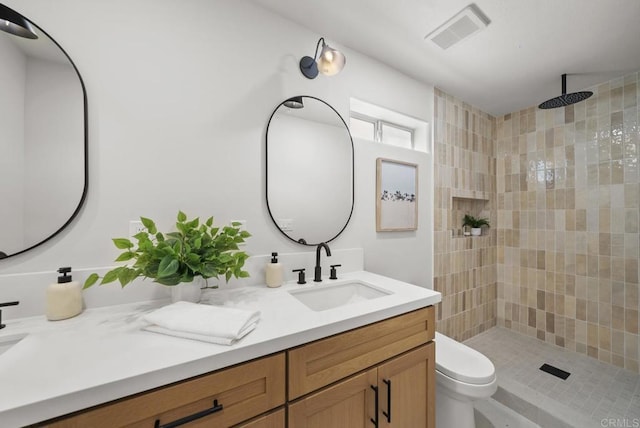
[231, 396]
[383, 372]
[388, 370]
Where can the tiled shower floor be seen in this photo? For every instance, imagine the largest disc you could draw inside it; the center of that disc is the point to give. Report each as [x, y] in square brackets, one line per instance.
[596, 394]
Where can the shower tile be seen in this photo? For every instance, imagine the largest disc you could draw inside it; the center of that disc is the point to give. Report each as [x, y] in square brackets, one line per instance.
[631, 170]
[631, 321]
[604, 291]
[631, 221]
[604, 152]
[604, 338]
[631, 346]
[617, 172]
[631, 271]
[604, 173]
[604, 220]
[631, 295]
[630, 95]
[604, 244]
[617, 319]
[616, 99]
[581, 219]
[631, 245]
[631, 195]
[617, 244]
[604, 267]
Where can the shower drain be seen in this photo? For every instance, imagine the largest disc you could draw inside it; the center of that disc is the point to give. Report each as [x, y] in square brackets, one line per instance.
[555, 371]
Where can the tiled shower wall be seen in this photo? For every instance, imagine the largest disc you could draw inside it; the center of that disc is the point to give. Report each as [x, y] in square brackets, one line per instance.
[568, 242]
[465, 168]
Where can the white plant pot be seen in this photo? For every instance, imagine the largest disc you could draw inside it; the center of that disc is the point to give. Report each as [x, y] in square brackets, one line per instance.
[476, 231]
[188, 291]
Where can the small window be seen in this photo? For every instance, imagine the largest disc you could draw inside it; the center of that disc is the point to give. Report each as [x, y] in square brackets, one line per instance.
[375, 123]
[380, 131]
[396, 136]
[361, 128]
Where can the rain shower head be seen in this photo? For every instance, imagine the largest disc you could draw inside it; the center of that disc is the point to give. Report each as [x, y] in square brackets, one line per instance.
[565, 99]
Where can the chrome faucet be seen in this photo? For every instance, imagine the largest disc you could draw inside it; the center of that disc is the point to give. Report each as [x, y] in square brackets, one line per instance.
[318, 270]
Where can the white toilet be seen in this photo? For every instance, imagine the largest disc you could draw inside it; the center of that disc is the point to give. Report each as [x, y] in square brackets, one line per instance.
[463, 375]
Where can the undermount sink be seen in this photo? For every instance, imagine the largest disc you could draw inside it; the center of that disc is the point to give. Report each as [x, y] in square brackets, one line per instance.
[323, 297]
[8, 342]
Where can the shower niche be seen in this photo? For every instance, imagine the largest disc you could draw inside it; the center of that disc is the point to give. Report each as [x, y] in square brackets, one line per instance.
[473, 203]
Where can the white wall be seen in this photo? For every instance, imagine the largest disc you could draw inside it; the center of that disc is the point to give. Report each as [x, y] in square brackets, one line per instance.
[406, 256]
[12, 76]
[179, 97]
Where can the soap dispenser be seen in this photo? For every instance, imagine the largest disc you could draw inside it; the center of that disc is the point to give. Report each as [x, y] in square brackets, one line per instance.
[274, 272]
[64, 298]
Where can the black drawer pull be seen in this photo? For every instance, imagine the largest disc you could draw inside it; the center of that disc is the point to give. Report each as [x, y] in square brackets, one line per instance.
[375, 418]
[388, 415]
[216, 408]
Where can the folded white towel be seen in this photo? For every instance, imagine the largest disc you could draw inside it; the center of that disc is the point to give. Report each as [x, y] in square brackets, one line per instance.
[215, 324]
[200, 337]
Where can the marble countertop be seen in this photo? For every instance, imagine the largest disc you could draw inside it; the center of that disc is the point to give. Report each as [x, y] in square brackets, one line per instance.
[102, 354]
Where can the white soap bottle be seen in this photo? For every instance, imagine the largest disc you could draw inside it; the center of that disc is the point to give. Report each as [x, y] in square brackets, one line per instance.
[64, 298]
[274, 272]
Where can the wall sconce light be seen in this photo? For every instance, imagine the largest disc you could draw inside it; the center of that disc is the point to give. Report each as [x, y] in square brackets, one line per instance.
[13, 23]
[294, 102]
[329, 62]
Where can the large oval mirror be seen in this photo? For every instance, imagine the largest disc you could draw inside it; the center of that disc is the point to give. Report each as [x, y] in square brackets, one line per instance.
[43, 165]
[309, 170]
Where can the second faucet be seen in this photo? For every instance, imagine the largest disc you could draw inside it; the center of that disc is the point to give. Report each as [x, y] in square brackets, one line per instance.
[317, 277]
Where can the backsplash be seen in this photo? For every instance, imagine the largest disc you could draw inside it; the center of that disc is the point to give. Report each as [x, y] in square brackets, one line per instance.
[29, 288]
[568, 241]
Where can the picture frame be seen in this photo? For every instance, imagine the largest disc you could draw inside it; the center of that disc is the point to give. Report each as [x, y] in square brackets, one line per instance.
[396, 195]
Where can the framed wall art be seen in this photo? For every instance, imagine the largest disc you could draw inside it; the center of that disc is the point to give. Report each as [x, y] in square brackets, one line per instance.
[396, 195]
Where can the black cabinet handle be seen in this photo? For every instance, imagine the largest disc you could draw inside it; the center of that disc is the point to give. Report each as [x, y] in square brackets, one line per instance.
[388, 415]
[375, 418]
[216, 408]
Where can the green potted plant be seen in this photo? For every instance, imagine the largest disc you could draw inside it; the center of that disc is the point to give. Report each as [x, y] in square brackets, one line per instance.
[191, 255]
[475, 223]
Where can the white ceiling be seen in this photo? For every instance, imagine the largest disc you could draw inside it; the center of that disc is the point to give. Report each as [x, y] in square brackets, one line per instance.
[515, 63]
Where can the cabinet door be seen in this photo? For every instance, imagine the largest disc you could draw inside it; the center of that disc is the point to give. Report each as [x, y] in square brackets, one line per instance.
[272, 420]
[348, 404]
[407, 389]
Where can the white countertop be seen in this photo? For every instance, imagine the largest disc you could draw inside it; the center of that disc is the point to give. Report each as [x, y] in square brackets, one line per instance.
[102, 354]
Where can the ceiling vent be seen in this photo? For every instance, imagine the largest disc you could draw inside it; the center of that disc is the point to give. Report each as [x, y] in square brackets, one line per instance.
[468, 21]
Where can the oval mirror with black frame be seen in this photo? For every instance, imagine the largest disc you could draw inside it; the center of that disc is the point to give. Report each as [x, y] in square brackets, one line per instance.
[309, 170]
[43, 147]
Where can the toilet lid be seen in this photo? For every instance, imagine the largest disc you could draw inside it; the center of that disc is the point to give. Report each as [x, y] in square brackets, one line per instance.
[460, 362]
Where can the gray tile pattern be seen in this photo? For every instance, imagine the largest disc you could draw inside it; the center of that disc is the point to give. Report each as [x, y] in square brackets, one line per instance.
[596, 394]
[493, 414]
